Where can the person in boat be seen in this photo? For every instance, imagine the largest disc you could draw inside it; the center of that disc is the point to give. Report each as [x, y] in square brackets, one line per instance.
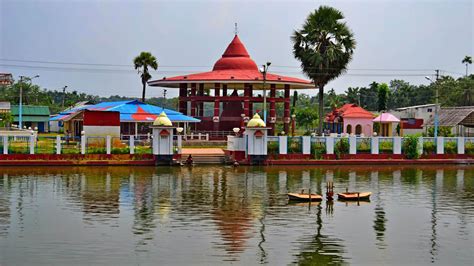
[189, 160]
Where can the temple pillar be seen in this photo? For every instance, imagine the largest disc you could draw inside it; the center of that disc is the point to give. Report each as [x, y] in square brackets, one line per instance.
[224, 90]
[250, 101]
[201, 103]
[183, 104]
[224, 94]
[216, 118]
[272, 120]
[246, 100]
[193, 101]
[286, 113]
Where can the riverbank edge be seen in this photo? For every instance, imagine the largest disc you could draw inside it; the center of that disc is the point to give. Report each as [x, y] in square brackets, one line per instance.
[151, 160]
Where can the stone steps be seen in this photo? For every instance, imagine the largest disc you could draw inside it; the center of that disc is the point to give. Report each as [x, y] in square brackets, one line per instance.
[207, 159]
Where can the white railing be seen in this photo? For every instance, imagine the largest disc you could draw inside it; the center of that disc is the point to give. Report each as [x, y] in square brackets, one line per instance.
[235, 143]
[370, 145]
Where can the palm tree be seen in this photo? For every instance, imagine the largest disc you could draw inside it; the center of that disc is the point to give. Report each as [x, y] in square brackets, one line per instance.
[353, 95]
[324, 46]
[142, 62]
[467, 60]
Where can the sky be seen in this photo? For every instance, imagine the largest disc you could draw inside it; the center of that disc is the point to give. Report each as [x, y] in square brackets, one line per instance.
[96, 41]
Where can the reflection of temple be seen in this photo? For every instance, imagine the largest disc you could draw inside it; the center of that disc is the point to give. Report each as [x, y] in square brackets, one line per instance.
[231, 214]
[232, 73]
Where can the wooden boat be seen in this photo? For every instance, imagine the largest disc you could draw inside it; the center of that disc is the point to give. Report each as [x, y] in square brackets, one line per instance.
[356, 196]
[304, 196]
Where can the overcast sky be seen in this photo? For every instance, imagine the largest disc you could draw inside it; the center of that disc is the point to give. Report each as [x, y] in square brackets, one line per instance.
[395, 39]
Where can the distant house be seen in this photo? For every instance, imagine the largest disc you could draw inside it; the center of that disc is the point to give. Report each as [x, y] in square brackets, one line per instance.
[32, 116]
[6, 79]
[350, 119]
[413, 118]
[459, 119]
[5, 107]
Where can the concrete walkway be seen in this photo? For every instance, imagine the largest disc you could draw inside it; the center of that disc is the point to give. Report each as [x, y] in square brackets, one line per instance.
[202, 151]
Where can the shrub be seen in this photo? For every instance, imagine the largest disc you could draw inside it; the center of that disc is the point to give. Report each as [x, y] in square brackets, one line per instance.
[410, 147]
[469, 148]
[272, 147]
[364, 145]
[318, 149]
[342, 147]
[443, 131]
[429, 147]
[94, 150]
[450, 147]
[386, 147]
[125, 150]
[294, 146]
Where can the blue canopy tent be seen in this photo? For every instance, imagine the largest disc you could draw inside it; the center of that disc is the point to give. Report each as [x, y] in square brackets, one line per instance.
[131, 112]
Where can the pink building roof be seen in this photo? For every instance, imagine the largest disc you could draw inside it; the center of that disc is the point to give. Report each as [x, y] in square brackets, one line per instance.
[386, 118]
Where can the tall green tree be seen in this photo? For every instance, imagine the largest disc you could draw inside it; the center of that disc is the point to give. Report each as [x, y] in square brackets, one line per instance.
[324, 46]
[142, 63]
[353, 95]
[382, 98]
[467, 60]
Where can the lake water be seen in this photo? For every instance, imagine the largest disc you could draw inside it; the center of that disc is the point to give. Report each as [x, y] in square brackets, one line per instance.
[224, 215]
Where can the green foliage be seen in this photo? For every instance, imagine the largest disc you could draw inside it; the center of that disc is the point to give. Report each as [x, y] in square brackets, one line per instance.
[382, 97]
[450, 147]
[294, 145]
[342, 147]
[442, 132]
[324, 46]
[363, 145]
[386, 147]
[306, 117]
[429, 147]
[273, 147]
[142, 62]
[469, 148]
[5, 119]
[376, 127]
[410, 147]
[125, 150]
[96, 150]
[318, 149]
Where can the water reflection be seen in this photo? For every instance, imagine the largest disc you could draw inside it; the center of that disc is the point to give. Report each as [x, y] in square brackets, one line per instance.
[238, 214]
[4, 205]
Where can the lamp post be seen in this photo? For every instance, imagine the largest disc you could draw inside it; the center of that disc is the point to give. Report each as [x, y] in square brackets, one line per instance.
[436, 107]
[20, 105]
[236, 131]
[264, 70]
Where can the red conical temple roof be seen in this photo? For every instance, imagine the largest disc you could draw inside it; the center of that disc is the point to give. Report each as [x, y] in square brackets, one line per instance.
[235, 66]
[235, 57]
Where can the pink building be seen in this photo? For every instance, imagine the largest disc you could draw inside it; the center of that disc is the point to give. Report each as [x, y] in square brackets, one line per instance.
[350, 119]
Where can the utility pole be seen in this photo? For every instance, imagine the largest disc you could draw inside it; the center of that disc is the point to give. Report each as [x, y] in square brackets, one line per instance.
[64, 97]
[264, 71]
[20, 105]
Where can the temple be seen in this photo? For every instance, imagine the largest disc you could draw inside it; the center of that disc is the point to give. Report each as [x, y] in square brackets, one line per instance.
[230, 88]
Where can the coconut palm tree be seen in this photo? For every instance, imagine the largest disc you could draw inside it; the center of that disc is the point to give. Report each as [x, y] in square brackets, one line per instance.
[142, 63]
[324, 46]
[467, 60]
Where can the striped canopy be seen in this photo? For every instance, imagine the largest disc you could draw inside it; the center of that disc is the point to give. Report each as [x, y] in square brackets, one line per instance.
[130, 111]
